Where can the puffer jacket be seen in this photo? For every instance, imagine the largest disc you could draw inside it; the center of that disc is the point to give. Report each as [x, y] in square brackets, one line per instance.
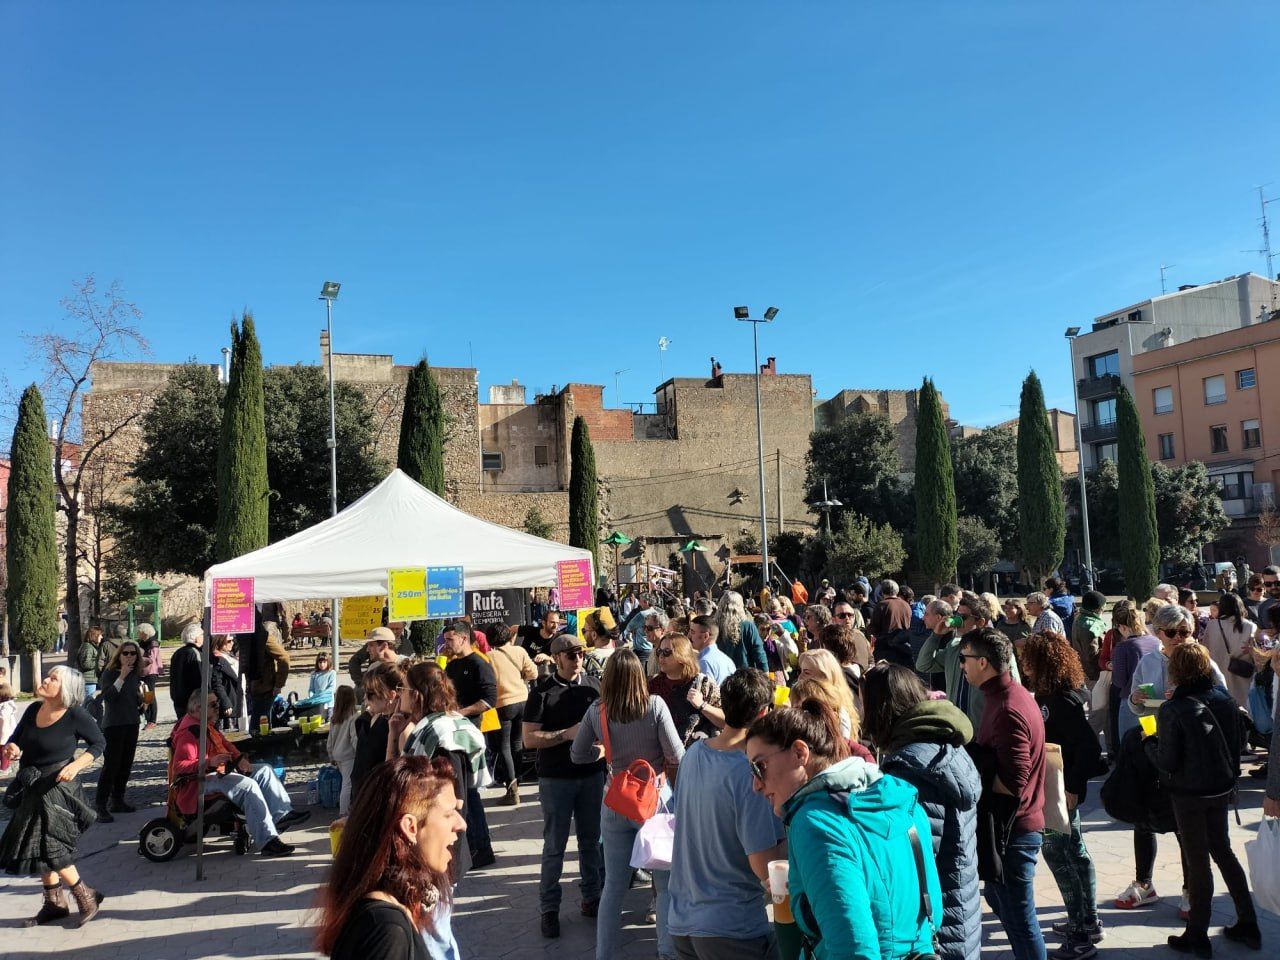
[1193, 759]
[853, 878]
[926, 750]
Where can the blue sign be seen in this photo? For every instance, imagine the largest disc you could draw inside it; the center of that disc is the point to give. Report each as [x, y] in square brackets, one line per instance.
[445, 594]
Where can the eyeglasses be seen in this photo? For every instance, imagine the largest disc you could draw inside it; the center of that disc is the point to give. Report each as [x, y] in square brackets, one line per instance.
[651, 628]
[972, 656]
[1183, 634]
[666, 653]
[758, 768]
[1271, 584]
[575, 654]
[128, 653]
[845, 616]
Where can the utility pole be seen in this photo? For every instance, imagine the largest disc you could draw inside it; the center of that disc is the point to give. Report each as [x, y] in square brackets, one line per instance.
[778, 463]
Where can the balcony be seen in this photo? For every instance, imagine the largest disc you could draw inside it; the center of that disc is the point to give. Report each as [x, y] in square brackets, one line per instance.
[1099, 432]
[1091, 388]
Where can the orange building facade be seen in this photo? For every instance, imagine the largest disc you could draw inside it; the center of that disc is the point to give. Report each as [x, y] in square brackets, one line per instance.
[1216, 399]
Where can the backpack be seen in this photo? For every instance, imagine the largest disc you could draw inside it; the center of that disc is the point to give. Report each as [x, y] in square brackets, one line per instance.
[1133, 793]
[329, 785]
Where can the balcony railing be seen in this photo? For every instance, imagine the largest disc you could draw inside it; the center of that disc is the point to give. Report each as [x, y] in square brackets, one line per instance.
[1099, 432]
[1092, 387]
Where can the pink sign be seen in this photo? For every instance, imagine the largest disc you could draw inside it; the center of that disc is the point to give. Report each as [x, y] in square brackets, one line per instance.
[573, 578]
[232, 603]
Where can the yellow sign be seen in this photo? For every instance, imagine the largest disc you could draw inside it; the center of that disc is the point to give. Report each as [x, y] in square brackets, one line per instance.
[359, 615]
[407, 594]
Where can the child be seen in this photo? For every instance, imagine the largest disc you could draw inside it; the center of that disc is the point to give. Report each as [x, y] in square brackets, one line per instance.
[8, 715]
[342, 741]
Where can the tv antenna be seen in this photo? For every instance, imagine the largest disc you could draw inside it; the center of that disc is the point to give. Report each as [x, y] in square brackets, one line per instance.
[617, 384]
[1163, 268]
[663, 343]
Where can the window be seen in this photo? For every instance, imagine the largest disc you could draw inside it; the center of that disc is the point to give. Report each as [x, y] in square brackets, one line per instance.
[1162, 399]
[1104, 364]
[1218, 438]
[1166, 446]
[1252, 432]
[1104, 451]
[1104, 411]
[491, 461]
[1235, 486]
[540, 456]
[1246, 379]
[1215, 390]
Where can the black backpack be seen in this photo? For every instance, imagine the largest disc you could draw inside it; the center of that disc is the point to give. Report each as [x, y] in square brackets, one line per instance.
[1133, 793]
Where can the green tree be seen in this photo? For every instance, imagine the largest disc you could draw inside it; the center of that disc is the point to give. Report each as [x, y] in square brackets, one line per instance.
[1103, 487]
[243, 487]
[1041, 512]
[979, 548]
[297, 424]
[422, 430]
[861, 546]
[935, 533]
[1139, 534]
[31, 548]
[537, 525]
[1189, 512]
[858, 457]
[986, 480]
[584, 509]
[786, 549]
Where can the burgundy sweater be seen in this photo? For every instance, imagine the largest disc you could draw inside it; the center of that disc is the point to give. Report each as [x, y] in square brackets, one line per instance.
[1013, 725]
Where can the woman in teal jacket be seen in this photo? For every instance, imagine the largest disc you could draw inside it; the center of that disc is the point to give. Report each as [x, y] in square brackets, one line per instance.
[854, 882]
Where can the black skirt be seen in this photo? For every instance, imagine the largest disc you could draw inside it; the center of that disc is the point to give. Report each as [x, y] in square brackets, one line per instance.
[44, 830]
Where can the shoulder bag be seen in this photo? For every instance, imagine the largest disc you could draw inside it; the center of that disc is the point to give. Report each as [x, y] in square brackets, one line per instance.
[634, 792]
[1241, 662]
[1056, 815]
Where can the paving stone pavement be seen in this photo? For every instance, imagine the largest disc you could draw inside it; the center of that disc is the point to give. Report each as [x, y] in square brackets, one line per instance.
[256, 907]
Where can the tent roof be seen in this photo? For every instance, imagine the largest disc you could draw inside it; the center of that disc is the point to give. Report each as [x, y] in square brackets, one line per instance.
[399, 523]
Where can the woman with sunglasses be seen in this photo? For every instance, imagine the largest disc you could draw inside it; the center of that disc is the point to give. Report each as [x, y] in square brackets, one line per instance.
[692, 697]
[847, 834]
[122, 687]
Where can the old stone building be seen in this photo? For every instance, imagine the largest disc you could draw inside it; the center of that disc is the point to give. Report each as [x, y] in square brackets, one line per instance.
[900, 406]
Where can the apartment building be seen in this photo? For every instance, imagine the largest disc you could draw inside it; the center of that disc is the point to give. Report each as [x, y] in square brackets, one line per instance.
[1104, 358]
[1217, 400]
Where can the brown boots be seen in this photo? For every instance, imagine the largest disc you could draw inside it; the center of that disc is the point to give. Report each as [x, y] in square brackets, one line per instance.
[54, 907]
[512, 799]
[87, 900]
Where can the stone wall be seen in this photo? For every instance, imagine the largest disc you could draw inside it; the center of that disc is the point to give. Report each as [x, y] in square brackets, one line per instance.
[900, 406]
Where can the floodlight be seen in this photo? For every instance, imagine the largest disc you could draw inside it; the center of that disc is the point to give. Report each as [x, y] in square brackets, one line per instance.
[330, 290]
[771, 313]
[1073, 331]
[741, 313]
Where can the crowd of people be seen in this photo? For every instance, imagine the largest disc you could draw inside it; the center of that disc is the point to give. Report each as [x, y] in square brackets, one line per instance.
[895, 760]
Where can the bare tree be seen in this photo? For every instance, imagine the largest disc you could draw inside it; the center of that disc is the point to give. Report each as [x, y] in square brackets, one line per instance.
[100, 326]
[1268, 531]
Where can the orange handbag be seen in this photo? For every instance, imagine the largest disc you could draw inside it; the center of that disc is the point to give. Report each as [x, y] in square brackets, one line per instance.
[634, 792]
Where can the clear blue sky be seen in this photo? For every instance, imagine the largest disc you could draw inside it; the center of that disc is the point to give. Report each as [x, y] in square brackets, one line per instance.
[545, 189]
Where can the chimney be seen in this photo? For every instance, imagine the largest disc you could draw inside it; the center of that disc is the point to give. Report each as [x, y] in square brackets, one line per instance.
[716, 369]
[769, 369]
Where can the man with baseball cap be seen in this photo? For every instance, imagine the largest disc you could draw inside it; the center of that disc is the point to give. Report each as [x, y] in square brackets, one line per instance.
[381, 646]
[567, 791]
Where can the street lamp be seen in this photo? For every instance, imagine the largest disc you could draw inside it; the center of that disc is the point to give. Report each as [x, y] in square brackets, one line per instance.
[743, 314]
[1087, 579]
[329, 293]
[826, 505]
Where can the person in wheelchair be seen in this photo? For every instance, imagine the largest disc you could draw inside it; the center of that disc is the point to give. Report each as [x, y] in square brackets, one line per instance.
[253, 787]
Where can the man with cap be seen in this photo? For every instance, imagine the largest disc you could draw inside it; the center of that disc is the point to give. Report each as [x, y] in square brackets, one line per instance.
[567, 791]
[380, 647]
[826, 592]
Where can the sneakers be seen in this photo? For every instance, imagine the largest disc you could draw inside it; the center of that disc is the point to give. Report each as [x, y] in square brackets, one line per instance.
[1075, 950]
[1093, 934]
[1246, 933]
[1137, 894]
[275, 847]
[292, 819]
[1184, 906]
[640, 878]
[1197, 944]
[551, 924]
[590, 908]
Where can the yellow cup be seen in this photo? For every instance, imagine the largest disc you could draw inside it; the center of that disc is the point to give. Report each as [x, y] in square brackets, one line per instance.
[781, 696]
[1148, 725]
[335, 835]
[442, 661]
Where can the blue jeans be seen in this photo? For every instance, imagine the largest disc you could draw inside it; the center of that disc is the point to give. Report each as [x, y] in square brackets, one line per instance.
[563, 800]
[90, 690]
[619, 835]
[1014, 899]
[260, 795]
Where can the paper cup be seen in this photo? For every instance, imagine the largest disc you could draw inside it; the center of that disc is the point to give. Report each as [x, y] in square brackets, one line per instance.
[1148, 725]
[781, 697]
[778, 871]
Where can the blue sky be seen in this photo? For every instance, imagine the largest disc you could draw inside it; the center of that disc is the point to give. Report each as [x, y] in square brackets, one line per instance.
[545, 189]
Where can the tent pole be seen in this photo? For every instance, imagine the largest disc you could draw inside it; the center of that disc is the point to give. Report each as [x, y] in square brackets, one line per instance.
[335, 635]
[205, 660]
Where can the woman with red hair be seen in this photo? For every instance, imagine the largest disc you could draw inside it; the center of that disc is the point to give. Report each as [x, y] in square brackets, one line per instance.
[392, 867]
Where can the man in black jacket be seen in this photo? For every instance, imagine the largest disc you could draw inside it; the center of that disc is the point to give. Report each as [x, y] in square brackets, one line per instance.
[184, 668]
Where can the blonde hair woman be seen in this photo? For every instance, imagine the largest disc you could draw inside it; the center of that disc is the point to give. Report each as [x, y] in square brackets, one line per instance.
[816, 688]
[823, 665]
[739, 639]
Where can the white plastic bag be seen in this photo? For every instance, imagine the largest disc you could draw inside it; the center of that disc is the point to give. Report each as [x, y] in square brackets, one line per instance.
[652, 847]
[1101, 693]
[1264, 865]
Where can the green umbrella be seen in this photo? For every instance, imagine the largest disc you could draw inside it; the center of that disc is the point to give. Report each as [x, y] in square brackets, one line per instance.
[693, 545]
[619, 540]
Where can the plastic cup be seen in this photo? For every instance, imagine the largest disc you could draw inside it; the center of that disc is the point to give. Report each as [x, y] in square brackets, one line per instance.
[1148, 690]
[442, 661]
[781, 697]
[1148, 725]
[778, 875]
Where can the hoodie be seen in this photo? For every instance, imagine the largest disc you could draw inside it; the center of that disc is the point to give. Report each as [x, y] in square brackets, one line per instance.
[926, 749]
[854, 884]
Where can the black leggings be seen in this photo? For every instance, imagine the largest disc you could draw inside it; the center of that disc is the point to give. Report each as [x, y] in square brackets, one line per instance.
[117, 762]
[505, 743]
[1144, 852]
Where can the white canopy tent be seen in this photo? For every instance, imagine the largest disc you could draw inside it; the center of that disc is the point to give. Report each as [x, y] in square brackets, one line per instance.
[399, 523]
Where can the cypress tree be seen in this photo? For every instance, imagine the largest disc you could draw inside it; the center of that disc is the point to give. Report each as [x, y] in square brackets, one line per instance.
[936, 545]
[584, 509]
[31, 550]
[1042, 518]
[242, 451]
[421, 451]
[1139, 535]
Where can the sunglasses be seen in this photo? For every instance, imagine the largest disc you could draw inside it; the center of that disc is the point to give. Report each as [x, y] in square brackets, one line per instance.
[1177, 633]
[972, 656]
[1271, 584]
[574, 654]
[758, 768]
[128, 653]
[666, 653]
[651, 628]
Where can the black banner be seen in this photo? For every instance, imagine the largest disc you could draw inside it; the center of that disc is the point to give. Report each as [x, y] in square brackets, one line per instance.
[510, 607]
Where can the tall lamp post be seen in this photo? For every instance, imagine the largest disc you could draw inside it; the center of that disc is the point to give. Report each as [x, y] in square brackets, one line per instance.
[744, 315]
[329, 293]
[1087, 580]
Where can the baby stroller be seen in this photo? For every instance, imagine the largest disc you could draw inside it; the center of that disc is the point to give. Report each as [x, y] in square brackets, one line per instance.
[160, 839]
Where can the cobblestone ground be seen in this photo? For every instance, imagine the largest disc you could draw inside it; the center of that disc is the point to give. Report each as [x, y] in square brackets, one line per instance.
[255, 907]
